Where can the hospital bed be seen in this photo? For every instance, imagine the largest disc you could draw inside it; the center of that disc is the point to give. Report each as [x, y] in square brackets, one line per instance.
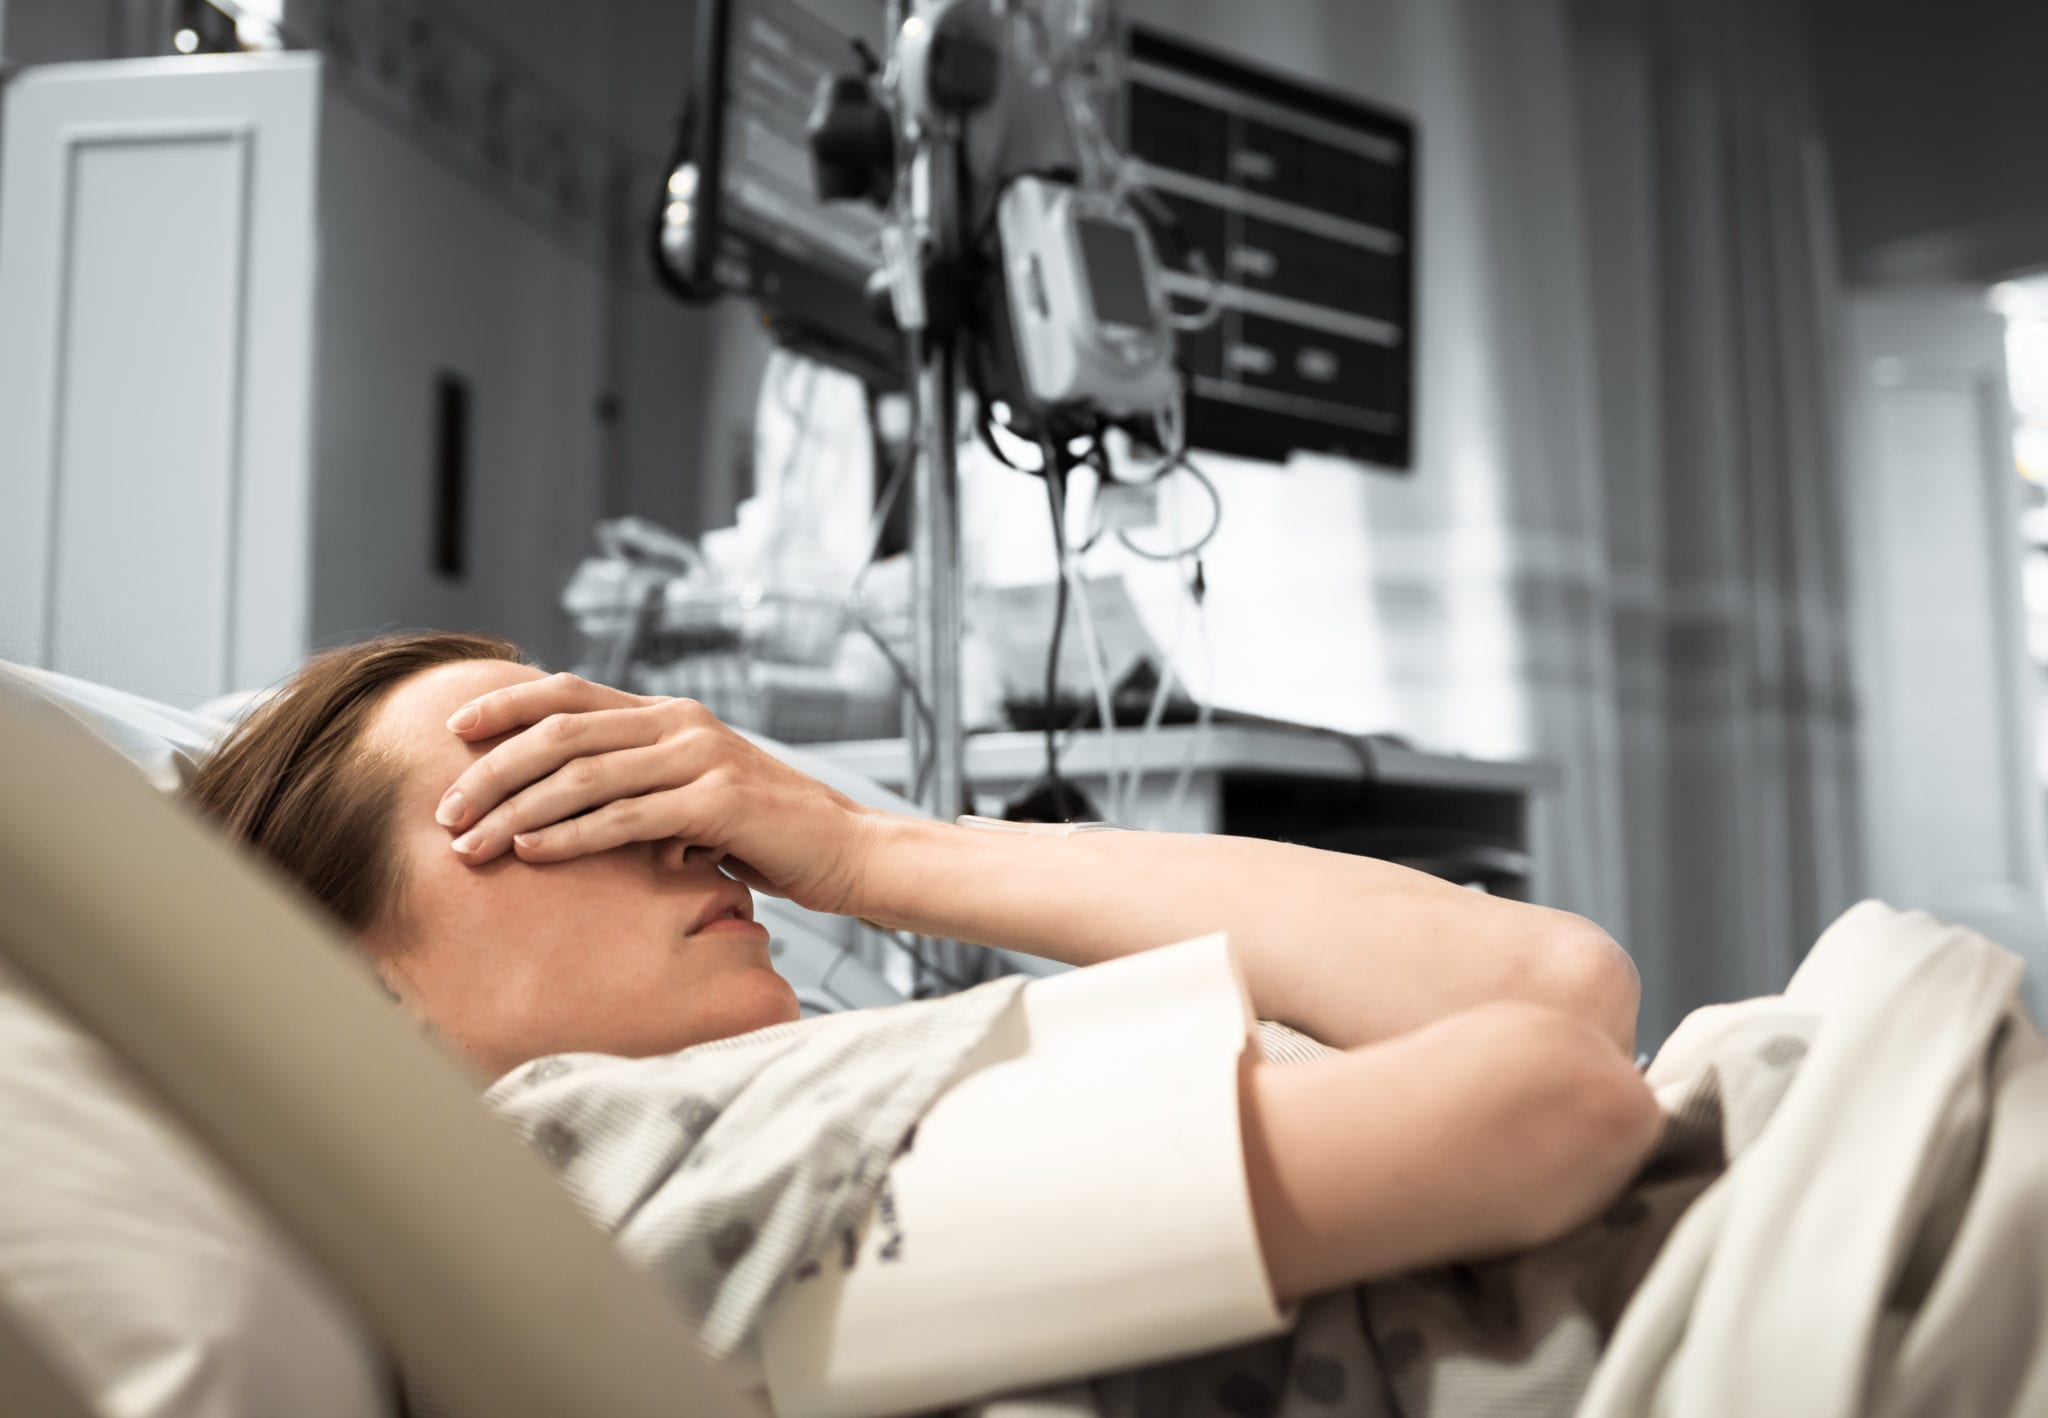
[428, 1232]
[348, 1202]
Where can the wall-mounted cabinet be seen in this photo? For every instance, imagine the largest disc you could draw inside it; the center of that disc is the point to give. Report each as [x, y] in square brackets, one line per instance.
[272, 376]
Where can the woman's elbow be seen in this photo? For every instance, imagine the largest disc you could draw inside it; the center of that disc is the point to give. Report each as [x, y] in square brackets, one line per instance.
[1591, 1121]
[1585, 972]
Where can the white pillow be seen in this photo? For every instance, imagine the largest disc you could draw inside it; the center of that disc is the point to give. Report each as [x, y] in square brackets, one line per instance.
[166, 743]
[147, 1273]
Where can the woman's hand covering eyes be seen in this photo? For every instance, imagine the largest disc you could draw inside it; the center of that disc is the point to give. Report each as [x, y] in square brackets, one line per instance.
[585, 768]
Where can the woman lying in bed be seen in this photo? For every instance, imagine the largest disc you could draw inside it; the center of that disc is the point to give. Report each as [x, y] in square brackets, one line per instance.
[538, 865]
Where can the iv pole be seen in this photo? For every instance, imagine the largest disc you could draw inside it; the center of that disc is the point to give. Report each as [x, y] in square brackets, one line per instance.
[935, 533]
[935, 541]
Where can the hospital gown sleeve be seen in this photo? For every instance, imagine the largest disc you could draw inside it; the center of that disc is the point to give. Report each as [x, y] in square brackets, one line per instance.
[1074, 1201]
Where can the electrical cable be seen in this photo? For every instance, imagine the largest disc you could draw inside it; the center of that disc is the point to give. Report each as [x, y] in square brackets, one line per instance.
[1135, 782]
[1170, 423]
[1112, 768]
[893, 489]
[985, 427]
[1055, 491]
[885, 505]
[1204, 711]
[1098, 673]
[878, 522]
[1359, 744]
[1067, 588]
[1156, 711]
[1097, 458]
[1057, 735]
[918, 958]
[1215, 519]
[1196, 321]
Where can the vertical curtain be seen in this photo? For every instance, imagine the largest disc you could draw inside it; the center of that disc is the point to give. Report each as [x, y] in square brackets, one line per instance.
[1621, 546]
[1681, 594]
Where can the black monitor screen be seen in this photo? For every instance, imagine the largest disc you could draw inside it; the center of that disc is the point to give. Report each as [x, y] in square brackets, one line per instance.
[1116, 274]
[1303, 201]
[777, 51]
[804, 262]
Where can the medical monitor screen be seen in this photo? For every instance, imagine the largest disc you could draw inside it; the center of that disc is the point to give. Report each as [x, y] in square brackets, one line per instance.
[778, 51]
[803, 261]
[1116, 272]
[1303, 201]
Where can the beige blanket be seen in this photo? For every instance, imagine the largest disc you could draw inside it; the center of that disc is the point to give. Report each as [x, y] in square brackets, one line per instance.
[1882, 1246]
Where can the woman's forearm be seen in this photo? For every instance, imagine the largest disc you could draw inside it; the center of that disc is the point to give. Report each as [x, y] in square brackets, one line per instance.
[1491, 1130]
[1347, 949]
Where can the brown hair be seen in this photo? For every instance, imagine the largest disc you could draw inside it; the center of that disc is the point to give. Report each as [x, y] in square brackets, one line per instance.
[295, 781]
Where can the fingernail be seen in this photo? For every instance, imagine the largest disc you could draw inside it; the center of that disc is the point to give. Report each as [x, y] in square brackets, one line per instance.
[525, 839]
[467, 842]
[464, 718]
[450, 811]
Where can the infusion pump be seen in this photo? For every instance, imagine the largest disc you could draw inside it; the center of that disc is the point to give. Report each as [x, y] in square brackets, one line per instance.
[1086, 299]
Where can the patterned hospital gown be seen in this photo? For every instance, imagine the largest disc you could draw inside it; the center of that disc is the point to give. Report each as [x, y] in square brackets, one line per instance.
[728, 1168]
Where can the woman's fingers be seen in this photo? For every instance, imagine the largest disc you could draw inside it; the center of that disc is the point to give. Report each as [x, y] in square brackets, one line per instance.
[570, 768]
[642, 819]
[530, 701]
[527, 757]
[576, 788]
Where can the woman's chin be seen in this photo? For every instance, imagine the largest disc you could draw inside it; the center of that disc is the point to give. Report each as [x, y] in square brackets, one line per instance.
[750, 997]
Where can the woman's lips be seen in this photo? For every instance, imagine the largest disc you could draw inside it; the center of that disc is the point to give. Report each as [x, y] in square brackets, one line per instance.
[732, 925]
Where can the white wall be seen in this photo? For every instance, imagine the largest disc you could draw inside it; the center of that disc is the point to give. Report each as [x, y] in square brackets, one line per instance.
[423, 271]
[52, 31]
[622, 61]
[626, 64]
[444, 274]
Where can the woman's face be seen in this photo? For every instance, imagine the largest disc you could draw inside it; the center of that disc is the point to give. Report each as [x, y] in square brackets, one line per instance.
[512, 960]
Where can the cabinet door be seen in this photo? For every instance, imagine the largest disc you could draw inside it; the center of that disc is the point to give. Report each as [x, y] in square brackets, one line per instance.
[1952, 801]
[156, 281]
